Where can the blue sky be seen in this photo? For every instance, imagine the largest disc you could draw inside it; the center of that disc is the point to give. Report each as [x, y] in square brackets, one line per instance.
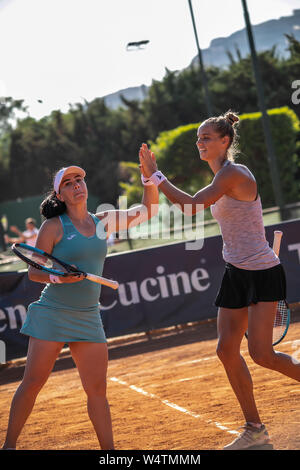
[62, 51]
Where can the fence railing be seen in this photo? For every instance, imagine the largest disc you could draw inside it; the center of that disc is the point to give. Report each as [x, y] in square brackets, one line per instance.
[271, 215]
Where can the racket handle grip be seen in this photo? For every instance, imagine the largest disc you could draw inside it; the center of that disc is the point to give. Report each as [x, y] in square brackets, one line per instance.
[102, 280]
[277, 241]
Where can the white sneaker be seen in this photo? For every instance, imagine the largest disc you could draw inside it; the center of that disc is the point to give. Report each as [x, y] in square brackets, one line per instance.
[251, 438]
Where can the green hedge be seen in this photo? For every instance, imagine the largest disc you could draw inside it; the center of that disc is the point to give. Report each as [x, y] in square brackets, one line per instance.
[178, 156]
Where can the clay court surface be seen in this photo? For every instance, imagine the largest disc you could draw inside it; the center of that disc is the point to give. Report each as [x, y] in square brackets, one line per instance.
[166, 392]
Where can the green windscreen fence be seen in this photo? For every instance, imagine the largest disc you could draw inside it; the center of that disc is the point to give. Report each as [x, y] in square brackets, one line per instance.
[15, 212]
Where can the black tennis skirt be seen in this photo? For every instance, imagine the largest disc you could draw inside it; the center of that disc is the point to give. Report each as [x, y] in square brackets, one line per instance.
[242, 287]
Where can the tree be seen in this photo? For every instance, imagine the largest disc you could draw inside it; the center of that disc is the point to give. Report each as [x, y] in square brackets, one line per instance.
[99, 139]
[178, 157]
[9, 109]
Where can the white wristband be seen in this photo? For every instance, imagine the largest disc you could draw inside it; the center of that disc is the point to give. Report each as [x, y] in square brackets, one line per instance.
[54, 279]
[157, 178]
[146, 181]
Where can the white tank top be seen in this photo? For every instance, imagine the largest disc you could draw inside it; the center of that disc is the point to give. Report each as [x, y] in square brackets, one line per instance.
[244, 241]
[32, 236]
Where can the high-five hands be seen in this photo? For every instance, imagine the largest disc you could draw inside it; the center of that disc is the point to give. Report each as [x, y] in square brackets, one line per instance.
[148, 164]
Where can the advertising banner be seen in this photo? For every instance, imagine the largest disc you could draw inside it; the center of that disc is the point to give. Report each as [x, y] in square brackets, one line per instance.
[159, 287]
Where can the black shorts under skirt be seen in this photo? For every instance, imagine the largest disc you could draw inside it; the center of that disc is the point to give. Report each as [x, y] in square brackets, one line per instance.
[242, 287]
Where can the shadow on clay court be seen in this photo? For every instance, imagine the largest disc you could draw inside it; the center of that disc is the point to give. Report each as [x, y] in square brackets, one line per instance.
[126, 346]
[136, 344]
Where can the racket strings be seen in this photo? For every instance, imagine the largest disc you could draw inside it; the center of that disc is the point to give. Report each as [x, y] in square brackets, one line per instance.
[281, 314]
[280, 321]
[40, 259]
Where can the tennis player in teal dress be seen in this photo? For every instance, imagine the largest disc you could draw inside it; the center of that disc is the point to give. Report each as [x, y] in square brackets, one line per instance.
[68, 309]
[70, 312]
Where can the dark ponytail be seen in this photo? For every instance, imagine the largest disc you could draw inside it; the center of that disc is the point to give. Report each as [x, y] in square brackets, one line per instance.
[52, 206]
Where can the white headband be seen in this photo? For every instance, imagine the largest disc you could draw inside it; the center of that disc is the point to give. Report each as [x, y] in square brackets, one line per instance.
[64, 171]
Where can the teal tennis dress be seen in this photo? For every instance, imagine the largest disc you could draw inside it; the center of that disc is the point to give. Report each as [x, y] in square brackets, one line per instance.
[71, 312]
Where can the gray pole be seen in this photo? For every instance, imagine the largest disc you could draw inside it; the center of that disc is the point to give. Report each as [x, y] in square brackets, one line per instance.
[265, 118]
[203, 75]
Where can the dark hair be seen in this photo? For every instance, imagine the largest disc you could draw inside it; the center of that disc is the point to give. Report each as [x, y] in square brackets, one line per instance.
[52, 206]
[226, 125]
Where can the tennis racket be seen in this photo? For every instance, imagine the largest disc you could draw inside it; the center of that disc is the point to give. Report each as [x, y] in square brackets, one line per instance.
[282, 316]
[39, 259]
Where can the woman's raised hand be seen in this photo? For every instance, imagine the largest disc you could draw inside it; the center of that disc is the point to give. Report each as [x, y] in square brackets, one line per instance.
[147, 158]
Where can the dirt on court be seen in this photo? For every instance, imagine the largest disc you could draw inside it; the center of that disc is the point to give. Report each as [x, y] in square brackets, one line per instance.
[167, 391]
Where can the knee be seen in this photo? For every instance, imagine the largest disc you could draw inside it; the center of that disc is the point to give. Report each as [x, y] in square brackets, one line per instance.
[261, 357]
[96, 388]
[225, 351]
[32, 385]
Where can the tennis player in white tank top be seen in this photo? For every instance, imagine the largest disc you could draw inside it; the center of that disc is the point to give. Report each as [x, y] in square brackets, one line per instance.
[233, 192]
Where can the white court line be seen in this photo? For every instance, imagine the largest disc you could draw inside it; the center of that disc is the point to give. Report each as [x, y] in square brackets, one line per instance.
[202, 359]
[192, 378]
[221, 426]
[171, 405]
[180, 408]
[183, 380]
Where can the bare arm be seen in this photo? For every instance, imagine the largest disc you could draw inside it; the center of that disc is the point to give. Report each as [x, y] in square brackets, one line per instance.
[117, 220]
[204, 198]
[15, 229]
[49, 235]
[189, 204]
[13, 240]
